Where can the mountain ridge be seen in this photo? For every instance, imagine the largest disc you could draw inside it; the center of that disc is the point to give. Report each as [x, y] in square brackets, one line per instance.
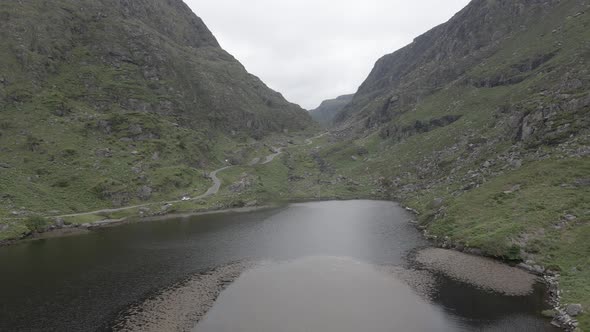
[328, 109]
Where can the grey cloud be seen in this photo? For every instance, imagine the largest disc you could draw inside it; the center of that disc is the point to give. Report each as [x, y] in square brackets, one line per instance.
[311, 50]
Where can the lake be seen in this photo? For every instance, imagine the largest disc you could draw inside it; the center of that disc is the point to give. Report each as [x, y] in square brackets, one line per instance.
[323, 268]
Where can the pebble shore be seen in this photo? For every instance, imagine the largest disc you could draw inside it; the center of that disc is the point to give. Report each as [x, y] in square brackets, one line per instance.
[180, 307]
[479, 271]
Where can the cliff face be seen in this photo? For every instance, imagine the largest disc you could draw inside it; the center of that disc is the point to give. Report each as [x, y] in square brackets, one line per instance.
[472, 50]
[328, 110]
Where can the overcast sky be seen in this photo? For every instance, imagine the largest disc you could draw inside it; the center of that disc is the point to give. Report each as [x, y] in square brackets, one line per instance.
[312, 50]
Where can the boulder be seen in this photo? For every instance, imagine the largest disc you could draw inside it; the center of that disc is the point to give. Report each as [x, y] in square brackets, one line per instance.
[573, 309]
[535, 269]
[104, 153]
[251, 203]
[59, 222]
[437, 203]
[570, 217]
[144, 193]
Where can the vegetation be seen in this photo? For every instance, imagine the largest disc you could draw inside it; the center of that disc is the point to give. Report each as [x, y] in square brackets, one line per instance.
[487, 138]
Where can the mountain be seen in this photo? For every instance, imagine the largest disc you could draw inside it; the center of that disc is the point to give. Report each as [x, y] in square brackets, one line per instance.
[482, 125]
[473, 51]
[328, 109]
[106, 102]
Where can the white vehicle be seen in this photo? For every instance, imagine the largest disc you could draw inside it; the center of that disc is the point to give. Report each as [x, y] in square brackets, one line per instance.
[186, 198]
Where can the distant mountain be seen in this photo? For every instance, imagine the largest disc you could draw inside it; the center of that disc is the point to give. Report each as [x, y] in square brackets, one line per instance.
[328, 109]
[103, 102]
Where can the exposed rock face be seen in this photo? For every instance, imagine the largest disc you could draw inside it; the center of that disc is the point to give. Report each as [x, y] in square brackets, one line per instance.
[328, 110]
[448, 55]
[509, 74]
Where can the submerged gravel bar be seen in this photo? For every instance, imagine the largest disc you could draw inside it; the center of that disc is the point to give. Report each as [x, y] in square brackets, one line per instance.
[479, 271]
[180, 307]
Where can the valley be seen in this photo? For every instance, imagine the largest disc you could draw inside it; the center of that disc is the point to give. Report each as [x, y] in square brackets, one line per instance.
[130, 114]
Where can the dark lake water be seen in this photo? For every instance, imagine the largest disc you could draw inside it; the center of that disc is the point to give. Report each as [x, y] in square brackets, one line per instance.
[322, 258]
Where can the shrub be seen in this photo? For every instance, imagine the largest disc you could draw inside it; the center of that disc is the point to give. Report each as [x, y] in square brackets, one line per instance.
[36, 223]
[513, 253]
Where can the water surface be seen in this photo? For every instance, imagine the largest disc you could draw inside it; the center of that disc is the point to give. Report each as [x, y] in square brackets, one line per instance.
[81, 283]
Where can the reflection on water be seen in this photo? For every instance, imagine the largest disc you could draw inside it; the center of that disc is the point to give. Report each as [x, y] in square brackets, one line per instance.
[323, 294]
[334, 294]
[81, 283]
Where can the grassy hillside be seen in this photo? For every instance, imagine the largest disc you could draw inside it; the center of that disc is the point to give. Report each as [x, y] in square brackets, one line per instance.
[109, 103]
[482, 125]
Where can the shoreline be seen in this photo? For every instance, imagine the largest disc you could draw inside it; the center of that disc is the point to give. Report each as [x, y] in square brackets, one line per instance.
[78, 229]
[181, 306]
[549, 278]
[560, 318]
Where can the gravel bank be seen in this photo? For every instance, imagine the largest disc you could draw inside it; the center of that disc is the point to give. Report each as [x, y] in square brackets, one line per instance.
[479, 271]
[181, 306]
[422, 282]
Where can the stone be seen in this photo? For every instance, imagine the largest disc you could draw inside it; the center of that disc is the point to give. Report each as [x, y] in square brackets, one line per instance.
[573, 309]
[59, 222]
[104, 153]
[582, 182]
[437, 203]
[5, 165]
[251, 203]
[487, 164]
[535, 269]
[144, 193]
[570, 217]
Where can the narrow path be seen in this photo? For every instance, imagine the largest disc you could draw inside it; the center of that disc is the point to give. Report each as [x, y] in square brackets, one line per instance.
[214, 189]
[271, 157]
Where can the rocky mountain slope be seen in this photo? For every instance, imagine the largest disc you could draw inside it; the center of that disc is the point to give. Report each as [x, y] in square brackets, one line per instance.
[108, 102]
[328, 109]
[482, 125]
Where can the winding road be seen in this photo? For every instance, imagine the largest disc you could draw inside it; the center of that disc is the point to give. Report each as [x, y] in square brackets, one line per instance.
[214, 189]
